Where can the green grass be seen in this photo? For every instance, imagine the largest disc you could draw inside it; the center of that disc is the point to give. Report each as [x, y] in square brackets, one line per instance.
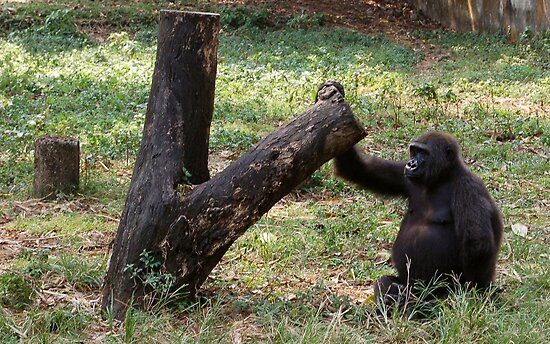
[304, 272]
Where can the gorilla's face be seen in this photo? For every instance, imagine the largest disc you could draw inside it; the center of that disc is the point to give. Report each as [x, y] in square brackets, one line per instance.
[432, 159]
[417, 167]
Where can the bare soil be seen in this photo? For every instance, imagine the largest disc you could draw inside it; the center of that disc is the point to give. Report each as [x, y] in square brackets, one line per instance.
[393, 18]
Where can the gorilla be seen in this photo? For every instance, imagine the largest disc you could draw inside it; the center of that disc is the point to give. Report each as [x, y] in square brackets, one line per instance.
[452, 227]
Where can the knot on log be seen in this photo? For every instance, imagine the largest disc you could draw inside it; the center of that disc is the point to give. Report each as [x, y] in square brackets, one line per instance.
[328, 89]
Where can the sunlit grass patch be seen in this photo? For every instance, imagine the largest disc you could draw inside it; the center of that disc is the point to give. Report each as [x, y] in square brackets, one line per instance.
[62, 225]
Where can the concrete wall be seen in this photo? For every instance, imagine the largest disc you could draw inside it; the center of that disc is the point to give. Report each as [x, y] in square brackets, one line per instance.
[509, 16]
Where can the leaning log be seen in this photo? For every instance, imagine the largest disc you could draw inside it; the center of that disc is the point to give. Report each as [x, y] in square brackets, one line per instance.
[218, 212]
[190, 235]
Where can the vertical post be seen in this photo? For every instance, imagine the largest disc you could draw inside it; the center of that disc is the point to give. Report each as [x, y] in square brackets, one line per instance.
[56, 165]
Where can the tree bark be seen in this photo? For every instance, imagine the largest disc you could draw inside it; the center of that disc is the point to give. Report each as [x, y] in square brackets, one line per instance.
[181, 102]
[56, 166]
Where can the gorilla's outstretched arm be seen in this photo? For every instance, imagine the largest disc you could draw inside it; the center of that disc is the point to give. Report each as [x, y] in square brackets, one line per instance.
[378, 175]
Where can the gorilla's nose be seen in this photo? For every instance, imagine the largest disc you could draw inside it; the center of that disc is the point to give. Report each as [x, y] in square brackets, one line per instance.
[412, 165]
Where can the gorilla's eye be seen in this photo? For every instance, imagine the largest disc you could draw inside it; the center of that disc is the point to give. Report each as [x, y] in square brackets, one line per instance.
[417, 148]
[416, 151]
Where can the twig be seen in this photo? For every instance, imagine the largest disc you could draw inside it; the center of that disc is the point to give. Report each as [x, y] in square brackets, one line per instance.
[108, 217]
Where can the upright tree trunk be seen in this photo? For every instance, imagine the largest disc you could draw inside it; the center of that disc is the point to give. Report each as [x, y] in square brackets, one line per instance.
[174, 146]
[181, 102]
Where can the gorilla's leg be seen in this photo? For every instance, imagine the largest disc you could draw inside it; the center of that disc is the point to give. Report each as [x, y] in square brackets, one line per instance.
[389, 290]
[391, 294]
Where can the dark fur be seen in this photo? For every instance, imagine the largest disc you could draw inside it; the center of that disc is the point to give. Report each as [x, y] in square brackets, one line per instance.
[452, 224]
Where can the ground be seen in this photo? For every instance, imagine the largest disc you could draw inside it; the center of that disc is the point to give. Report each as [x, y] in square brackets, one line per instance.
[392, 18]
[395, 19]
[317, 249]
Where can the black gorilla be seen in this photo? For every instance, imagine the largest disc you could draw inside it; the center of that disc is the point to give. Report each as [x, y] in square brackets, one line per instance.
[452, 225]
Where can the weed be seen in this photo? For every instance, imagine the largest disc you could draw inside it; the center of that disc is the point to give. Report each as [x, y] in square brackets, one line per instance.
[130, 322]
[59, 22]
[36, 264]
[65, 321]
[305, 21]
[160, 288]
[236, 17]
[15, 291]
[78, 272]
[427, 91]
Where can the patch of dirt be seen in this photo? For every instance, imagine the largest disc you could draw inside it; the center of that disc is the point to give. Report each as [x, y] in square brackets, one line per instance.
[13, 242]
[392, 18]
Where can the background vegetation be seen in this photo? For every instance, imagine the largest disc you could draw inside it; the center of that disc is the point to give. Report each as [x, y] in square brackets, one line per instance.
[304, 272]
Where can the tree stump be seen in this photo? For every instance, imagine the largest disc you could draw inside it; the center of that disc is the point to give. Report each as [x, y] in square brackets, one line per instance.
[56, 166]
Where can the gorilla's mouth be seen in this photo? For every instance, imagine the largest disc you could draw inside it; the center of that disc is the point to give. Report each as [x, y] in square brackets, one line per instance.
[411, 169]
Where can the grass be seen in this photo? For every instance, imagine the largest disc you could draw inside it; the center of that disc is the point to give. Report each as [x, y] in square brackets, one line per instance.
[304, 272]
